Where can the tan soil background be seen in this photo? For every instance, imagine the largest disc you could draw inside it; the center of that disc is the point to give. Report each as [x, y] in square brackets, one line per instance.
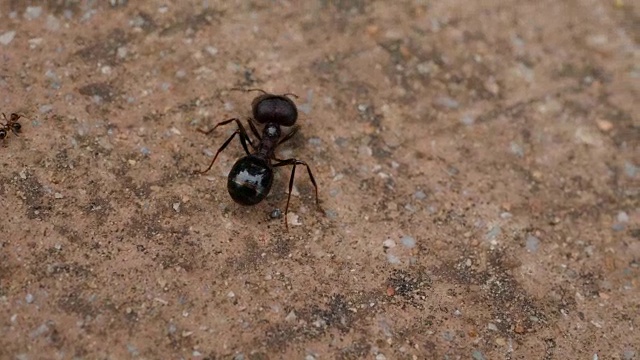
[477, 161]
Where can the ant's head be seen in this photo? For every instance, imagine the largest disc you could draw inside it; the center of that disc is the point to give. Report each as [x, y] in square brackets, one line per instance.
[279, 109]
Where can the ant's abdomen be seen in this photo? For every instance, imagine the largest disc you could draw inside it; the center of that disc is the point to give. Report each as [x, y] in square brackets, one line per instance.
[250, 180]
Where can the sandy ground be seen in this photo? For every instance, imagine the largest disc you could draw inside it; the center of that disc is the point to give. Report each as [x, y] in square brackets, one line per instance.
[478, 167]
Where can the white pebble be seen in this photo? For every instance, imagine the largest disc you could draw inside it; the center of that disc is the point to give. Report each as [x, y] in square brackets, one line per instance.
[408, 242]
[388, 244]
[7, 37]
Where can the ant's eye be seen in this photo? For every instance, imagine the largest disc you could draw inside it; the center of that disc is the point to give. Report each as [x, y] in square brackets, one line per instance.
[3, 134]
[17, 127]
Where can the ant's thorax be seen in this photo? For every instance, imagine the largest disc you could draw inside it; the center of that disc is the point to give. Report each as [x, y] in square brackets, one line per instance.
[270, 137]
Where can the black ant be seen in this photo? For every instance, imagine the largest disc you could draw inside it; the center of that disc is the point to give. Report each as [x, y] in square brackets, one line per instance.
[10, 124]
[251, 177]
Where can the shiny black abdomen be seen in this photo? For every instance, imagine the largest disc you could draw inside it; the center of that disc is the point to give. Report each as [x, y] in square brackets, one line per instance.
[250, 180]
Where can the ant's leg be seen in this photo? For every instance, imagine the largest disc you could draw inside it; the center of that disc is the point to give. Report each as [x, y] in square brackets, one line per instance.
[290, 134]
[254, 129]
[249, 90]
[243, 132]
[295, 162]
[224, 146]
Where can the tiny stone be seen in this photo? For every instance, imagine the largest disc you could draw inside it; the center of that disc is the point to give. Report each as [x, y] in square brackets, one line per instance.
[230, 294]
[45, 108]
[176, 207]
[33, 12]
[291, 316]
[419, 195]
[53, 24]
[631, 170]
[211, 50]
[517, 149]
[58, 195]
[623, 217]
[493, 233]
[447, 102]
[29, 298]
[315, 141]
[309, 357]
[408, 242]
[492, 327]
[467, 120]
[477, 355]
[122, 52]
[392, 259]
[448, 335]
[388, 244]
[332, 214]
[293, 219]
[381, 357]
[532, 243]
[6, 38]
[275, 214]
[604, 125]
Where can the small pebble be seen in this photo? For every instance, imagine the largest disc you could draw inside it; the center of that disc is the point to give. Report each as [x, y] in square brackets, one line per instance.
[506, 215]
[392, 259]
[631, 170]
[293, 219]
[275, 214]
[58, 195]
[493, 233]
[623, 217]
[45, 108]
[381, 356]
[467, 120]
[532, 243]
[492, 327]
[211, 50]
[447, 102]
[448, 335]
[332, 214]
[29, 298]
[388, 244]
[419, 195]
[604, 125]
[7, 38]
[477, 355]
[291, 317]
[408, 242]
[309, 357]
[517, 149]
[33, 12]
[230, 294]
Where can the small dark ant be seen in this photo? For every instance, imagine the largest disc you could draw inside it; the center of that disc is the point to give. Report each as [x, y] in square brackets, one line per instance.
[10, 124]
[251, 177]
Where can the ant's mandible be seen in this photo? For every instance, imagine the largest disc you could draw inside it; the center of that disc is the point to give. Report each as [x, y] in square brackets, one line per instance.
[251, 177]
[10, 124]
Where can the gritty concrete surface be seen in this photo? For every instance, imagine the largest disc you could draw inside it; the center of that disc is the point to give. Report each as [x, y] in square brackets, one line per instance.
[478, 165]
